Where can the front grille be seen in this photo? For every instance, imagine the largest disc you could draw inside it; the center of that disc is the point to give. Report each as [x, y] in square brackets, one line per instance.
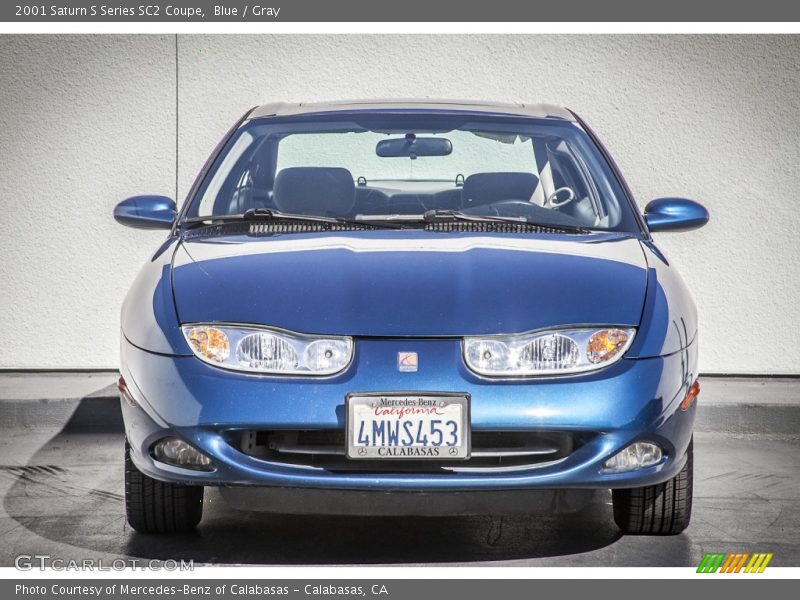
[492, 451]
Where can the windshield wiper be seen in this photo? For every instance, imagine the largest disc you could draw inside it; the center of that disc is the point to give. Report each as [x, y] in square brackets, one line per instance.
[269, 214]
[434, 216]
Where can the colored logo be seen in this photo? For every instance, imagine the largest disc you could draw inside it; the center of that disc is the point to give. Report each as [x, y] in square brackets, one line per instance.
[407, 361]
[736, 562]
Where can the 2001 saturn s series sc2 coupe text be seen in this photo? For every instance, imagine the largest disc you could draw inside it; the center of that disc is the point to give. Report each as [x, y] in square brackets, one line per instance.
[409, 307]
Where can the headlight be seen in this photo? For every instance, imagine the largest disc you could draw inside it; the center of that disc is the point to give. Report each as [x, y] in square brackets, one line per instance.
[555, 352]
[263, 350]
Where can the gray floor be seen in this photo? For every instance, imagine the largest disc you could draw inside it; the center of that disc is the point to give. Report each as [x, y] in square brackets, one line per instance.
[61, 488]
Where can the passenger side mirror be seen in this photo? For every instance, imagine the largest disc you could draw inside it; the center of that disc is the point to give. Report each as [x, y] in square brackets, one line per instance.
[675, 214]
[146, 212]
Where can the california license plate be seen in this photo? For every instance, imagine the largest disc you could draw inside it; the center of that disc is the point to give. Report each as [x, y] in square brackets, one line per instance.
[408, 426]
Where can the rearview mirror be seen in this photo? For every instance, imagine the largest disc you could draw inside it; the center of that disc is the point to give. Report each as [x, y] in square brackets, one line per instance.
[675, 214]
[146, 212]
[412, 146]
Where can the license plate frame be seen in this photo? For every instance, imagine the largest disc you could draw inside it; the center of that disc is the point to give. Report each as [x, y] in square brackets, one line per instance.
[440, 400]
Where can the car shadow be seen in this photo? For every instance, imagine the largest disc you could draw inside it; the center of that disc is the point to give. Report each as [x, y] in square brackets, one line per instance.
[71, 492]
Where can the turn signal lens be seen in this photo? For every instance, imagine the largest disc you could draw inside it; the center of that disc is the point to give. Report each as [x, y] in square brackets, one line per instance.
[125, 392]
[693, 392]
[635, 456]
[604, 345]
[210, 343]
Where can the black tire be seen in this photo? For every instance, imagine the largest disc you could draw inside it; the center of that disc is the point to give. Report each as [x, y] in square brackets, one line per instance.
[662, 509]
[153, 506]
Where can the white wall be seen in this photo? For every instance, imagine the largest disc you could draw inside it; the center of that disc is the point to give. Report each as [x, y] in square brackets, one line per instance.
[85, 121]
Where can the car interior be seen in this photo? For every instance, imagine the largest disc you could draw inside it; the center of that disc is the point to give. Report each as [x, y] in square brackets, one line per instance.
[561, 186]
[298, 189]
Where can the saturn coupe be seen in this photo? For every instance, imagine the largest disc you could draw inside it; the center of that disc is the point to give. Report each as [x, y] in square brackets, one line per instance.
[409, 307]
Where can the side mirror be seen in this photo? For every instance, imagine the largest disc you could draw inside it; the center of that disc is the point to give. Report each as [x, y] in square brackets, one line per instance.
[675, 214]
[146, 212]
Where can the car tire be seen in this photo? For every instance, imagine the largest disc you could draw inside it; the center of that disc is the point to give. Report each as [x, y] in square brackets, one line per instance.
[661, 509]
[154, 506]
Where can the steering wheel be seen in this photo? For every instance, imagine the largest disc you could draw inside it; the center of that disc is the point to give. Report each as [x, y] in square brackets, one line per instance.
[551, 201]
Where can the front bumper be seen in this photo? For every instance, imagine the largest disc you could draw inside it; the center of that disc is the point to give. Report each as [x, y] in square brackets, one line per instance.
[629, 401]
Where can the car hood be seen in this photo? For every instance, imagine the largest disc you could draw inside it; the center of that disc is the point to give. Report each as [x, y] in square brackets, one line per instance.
[411, 283]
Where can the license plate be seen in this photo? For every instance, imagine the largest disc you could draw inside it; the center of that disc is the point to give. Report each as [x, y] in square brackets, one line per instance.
[408, 426]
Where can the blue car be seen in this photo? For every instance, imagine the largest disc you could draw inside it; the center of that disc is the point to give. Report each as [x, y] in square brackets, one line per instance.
[437, 308]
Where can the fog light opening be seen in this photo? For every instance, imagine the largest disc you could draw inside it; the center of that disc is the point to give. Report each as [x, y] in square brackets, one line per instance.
[174, 451]
[636, 456]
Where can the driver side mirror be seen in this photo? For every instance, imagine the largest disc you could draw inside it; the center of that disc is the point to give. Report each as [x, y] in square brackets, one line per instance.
[146, 212]
[675, 214]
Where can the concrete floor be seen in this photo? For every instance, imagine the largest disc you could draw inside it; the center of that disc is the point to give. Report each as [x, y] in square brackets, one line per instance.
[61, 488]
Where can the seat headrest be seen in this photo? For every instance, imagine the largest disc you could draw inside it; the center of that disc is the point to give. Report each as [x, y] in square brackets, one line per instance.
[485, 188]
[319, 191]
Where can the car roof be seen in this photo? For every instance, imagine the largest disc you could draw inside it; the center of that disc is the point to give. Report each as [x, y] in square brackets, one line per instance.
[285, 109]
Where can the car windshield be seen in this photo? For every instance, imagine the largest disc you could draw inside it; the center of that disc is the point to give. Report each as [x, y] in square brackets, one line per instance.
[410, 167]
